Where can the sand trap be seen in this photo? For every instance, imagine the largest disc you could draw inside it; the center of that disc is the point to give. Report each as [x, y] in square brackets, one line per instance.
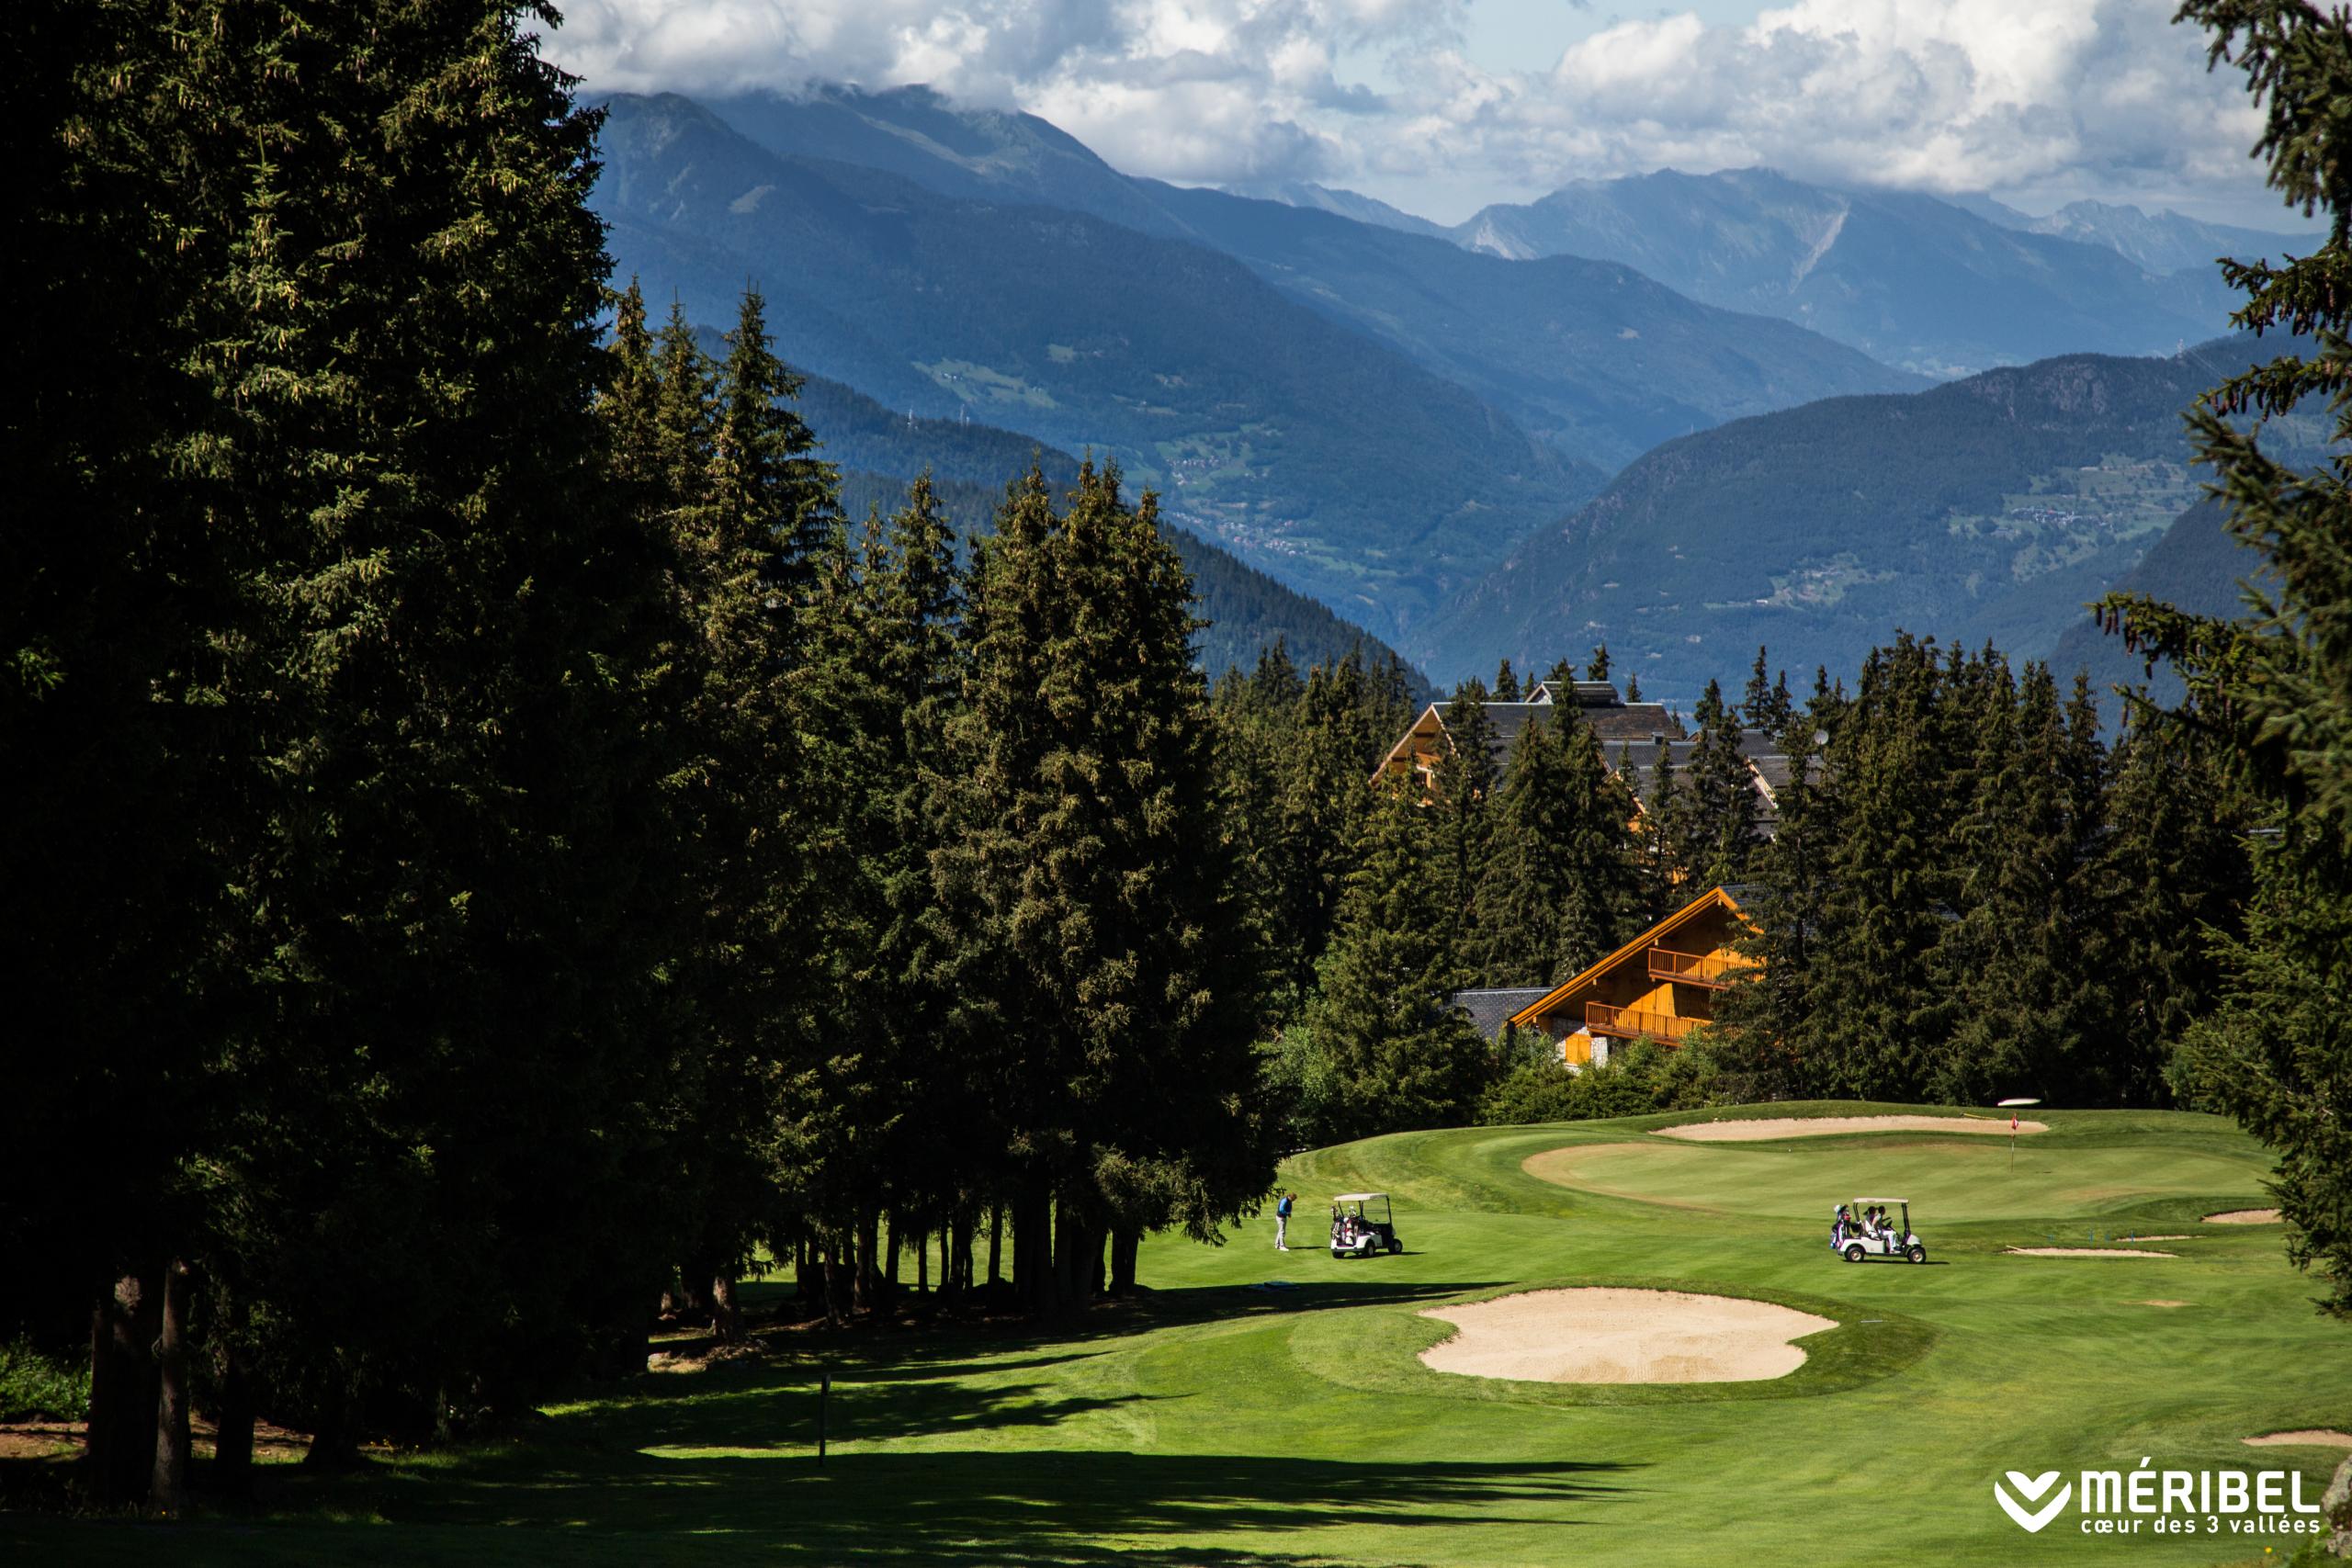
[2244, 1217]
[2085, 1252]
[2162, 1303]
[1821, 1126]
[2309, 1437]
[1614, 1335]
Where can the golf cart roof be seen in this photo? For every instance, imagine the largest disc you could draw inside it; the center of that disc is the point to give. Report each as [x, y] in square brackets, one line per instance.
[1357, 1197]
[1882, 1199]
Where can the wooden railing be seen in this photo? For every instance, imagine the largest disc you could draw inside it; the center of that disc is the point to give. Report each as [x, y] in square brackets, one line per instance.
[1712, 969]
[1629, 1023]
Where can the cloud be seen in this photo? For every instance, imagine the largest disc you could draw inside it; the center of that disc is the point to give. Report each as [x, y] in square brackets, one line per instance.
[2064, 98]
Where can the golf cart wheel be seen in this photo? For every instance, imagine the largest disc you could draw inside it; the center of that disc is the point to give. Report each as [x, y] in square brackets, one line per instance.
[1917, 1254]
[1854, 1252]
[1395, 1247]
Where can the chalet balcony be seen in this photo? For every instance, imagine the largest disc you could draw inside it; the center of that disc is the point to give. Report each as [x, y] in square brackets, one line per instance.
[1632, 1024]
[1713, 970]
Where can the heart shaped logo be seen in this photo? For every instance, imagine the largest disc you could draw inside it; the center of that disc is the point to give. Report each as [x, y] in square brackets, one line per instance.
[2033, 1487]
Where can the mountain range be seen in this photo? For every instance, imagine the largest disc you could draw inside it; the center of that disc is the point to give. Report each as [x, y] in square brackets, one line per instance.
[1415, 424]
[1910, 279]
[1992, 509]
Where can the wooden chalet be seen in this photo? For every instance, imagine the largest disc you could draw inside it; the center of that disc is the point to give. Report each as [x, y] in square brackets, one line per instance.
[1662, 984]
[1630, 736]
[1616, 722]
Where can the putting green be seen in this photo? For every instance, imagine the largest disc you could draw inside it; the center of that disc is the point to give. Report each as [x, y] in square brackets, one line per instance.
[1269, 1410]
[1946, 1178]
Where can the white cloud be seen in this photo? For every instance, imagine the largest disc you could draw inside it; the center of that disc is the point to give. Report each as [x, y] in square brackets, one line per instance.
[2036, 98]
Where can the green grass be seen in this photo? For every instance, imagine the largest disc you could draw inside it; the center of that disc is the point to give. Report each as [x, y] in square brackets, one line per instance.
[34, 1386]
[1225, 1422]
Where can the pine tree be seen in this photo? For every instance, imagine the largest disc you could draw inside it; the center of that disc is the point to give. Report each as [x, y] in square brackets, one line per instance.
[1506, 684]
[1084, 883]
[2275, 689]
[1723, 801]
[1565, 883]
[1463, 810]
[1400, 1057]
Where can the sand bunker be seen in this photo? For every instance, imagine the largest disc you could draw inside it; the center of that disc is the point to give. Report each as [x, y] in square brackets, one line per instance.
[2244, 1217]
[1615, 1336]
[2085, 1252]
[2163, 1304]
[2309, 1437]
[1821, 1126]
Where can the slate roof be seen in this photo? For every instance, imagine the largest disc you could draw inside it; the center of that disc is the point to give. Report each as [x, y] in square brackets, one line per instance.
[1490, 1010]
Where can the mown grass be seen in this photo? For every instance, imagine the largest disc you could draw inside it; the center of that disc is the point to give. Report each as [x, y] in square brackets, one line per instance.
[1231, 1419]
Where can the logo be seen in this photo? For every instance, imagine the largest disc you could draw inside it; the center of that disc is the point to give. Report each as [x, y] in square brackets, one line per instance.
[2032, 1520]
[2149, 1502]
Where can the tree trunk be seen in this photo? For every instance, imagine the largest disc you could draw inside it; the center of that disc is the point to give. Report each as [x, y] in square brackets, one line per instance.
[1078, 1257]
[726, 1317]
[231, 1475]
[808, 1279]
[866, 1295]
[125, 1389]
[335, 1444]
[831, 1275]
[890, 1264]
[996, 1245]
[922, 1260]
[167, 1488]
[1033, 1251]
[1124, 1242]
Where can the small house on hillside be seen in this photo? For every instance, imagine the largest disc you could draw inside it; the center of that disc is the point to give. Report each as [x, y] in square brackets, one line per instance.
[1662, 984]
[1630, 735]
[1614, 721]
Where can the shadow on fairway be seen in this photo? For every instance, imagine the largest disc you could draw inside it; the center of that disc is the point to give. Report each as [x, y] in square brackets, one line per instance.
[1031, 1506]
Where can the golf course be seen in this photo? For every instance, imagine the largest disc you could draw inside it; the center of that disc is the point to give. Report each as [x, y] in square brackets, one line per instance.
[1262, 1408]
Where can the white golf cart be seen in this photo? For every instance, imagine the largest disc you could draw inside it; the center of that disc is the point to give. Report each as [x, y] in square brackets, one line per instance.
[1875, 1227]
[1357, 1230]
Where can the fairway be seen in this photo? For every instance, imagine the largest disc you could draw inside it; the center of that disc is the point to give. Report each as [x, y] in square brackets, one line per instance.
[1233, 1420]
[1947, 1180]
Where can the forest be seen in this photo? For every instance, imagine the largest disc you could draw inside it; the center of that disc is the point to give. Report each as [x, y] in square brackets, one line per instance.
[502, 853]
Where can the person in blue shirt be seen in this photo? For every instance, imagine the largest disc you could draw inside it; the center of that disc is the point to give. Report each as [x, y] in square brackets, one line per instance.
[1282, 1221]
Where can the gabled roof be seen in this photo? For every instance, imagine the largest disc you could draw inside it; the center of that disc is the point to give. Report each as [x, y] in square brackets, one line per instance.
[1596, 703]
[1712, 898]
[1490, 1010]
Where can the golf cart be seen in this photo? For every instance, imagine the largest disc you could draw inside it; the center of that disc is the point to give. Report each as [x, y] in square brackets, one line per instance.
[1357, 1230]
[1857, 1237]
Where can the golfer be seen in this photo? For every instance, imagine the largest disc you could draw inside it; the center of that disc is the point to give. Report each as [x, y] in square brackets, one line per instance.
[1282, 1221]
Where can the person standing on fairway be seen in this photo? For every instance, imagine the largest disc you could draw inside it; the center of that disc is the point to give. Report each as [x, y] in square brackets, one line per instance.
[1282, 1221]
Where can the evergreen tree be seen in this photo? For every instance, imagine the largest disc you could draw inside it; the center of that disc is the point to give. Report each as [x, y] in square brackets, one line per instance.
[2275, 689]
[1084, 881]
[1565, 883]
[1462, 809]
[1400, 1057]
[1597, 669]
[1722, 802]
[1506, 684]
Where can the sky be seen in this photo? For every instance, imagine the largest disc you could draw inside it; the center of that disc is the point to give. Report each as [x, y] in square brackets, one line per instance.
[1443, 106]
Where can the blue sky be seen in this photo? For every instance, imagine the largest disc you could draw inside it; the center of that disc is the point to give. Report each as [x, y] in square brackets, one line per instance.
[1443, 105]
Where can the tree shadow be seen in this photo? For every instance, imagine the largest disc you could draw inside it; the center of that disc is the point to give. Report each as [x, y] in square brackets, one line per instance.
[1037, 1505]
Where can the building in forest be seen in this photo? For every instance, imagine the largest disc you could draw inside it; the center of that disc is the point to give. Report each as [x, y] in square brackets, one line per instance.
[1630, 735]
[1662, 985]
[1617, 724]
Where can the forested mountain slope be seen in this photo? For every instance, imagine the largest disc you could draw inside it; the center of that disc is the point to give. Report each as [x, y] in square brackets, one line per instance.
[1993, 507]
[879, 451]
[1322, 457]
